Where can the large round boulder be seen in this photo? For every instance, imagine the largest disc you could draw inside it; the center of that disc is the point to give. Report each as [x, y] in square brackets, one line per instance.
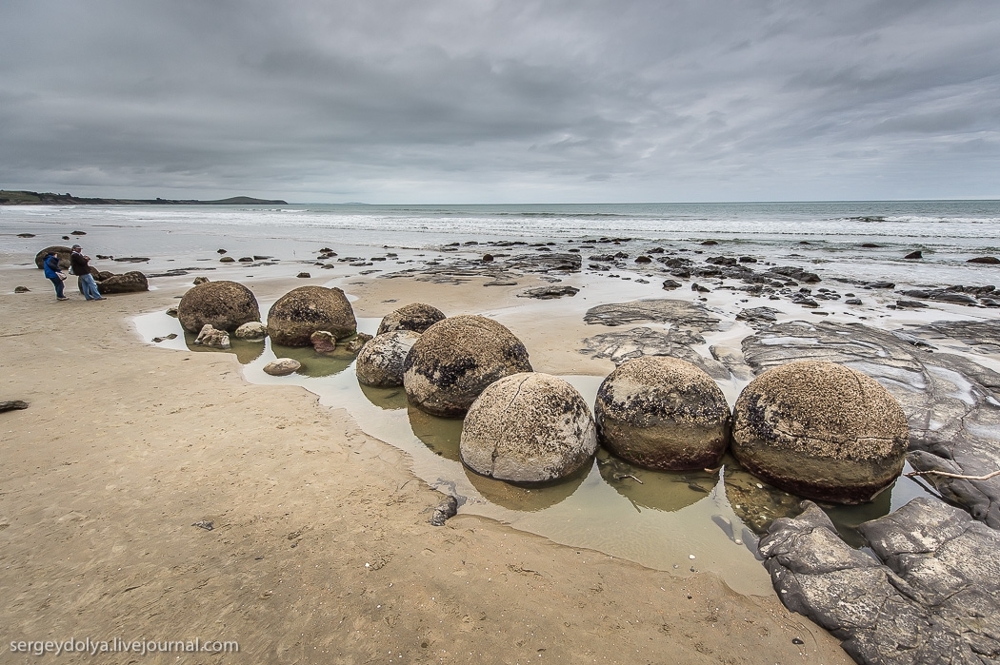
[61, 250]
[455, 359]
[820, 430]
[381, 360]
[225, 305]
[417, 317]
[295, 316]
[528, 428]
[663, 413]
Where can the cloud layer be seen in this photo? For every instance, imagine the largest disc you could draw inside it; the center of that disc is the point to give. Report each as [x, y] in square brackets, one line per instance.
[495, 101]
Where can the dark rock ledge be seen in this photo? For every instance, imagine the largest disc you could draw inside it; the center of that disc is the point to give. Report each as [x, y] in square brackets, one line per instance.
[928, 595]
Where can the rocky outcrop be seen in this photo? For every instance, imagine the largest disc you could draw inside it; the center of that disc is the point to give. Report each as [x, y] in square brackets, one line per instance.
[417, 317]
[528, 428]
[663, 413]
[952, 403]
[211, 337]
[678, 312]
[820, 430]
[549, 292]
[930, 596]
[455, 359]
[381, 361]
[226, 305]
[295, 316]
[621, 345]
[130, 282]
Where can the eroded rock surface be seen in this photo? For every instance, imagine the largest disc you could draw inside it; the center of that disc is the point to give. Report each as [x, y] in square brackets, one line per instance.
[930, 596]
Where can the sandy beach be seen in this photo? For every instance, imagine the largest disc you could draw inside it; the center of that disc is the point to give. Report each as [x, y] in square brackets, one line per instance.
[321, 550]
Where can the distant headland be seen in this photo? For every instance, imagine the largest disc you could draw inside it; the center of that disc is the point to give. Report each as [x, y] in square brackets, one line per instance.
[18, 197]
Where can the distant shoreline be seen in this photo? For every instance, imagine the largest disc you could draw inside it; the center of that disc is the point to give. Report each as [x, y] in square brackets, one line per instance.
[22, 197]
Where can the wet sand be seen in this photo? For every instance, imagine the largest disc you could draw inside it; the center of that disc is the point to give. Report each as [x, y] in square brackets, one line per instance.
[321, 549]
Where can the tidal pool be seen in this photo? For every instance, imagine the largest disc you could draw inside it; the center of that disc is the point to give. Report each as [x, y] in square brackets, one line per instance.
[681, 521]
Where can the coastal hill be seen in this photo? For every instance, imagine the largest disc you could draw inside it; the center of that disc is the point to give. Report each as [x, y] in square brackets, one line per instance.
[15, 197]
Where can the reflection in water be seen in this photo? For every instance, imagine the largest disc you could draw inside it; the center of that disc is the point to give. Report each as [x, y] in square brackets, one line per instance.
[848, 518]
[315, 364]
[385, 398]
[660, 490]
[442, 435]
[246, 352]
[527, 499]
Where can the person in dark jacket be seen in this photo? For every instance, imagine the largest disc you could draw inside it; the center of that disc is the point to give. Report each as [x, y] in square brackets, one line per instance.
[54, 274]
[85, 280]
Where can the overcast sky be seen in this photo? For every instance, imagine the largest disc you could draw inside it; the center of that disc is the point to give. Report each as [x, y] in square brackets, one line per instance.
[425, 101]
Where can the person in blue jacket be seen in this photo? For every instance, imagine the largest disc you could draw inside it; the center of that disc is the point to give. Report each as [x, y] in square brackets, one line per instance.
[54, 273]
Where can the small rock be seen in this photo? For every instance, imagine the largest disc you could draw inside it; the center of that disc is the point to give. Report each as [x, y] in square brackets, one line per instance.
[709, 243]
[227, 259]
[303, 275]
[21, 289]
[323, 342]
[246, 259]
[700, 289]
[204, 524]
[13, 405]
[210, 336]
[670, 284]
[354, 344]
[78, 233]
[992, 260]
[444, 510]
[487, 258]
[172, 310]
[25, 235]
[282, 367]
[914, 255]
[200, 280]
[251, 330]
[549, 292]
[853, 301]
[221, 251]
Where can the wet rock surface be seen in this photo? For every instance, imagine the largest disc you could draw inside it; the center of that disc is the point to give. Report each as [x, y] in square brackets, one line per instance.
[930, 596]
[211, 337]
[680, 313]
[549, 292]
[282, 366]
[952, 404]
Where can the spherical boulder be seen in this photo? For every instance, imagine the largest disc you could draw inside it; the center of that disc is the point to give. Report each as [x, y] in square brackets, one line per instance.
[455, 359]
[662, 413]
[295, 316]
[226, 305]
[417, 317]
[381, 360]
[528, 428]
[62, 251]
[820, 430]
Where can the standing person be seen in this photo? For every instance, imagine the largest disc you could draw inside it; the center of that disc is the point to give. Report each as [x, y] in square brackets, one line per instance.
[54, 274]
[81, 268]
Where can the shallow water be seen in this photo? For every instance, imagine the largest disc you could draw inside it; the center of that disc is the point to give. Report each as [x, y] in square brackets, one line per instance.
[682, 522]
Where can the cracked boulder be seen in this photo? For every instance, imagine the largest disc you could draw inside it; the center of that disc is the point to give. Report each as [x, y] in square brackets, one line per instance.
[821, 431]
[528, 428]
[930, 593]
[664, 414]
[455, 359]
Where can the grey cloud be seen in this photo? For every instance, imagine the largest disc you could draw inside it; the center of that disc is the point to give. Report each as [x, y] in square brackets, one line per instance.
[387, 100]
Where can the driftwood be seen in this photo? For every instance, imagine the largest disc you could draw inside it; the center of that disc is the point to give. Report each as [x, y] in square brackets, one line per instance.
[914, 474]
